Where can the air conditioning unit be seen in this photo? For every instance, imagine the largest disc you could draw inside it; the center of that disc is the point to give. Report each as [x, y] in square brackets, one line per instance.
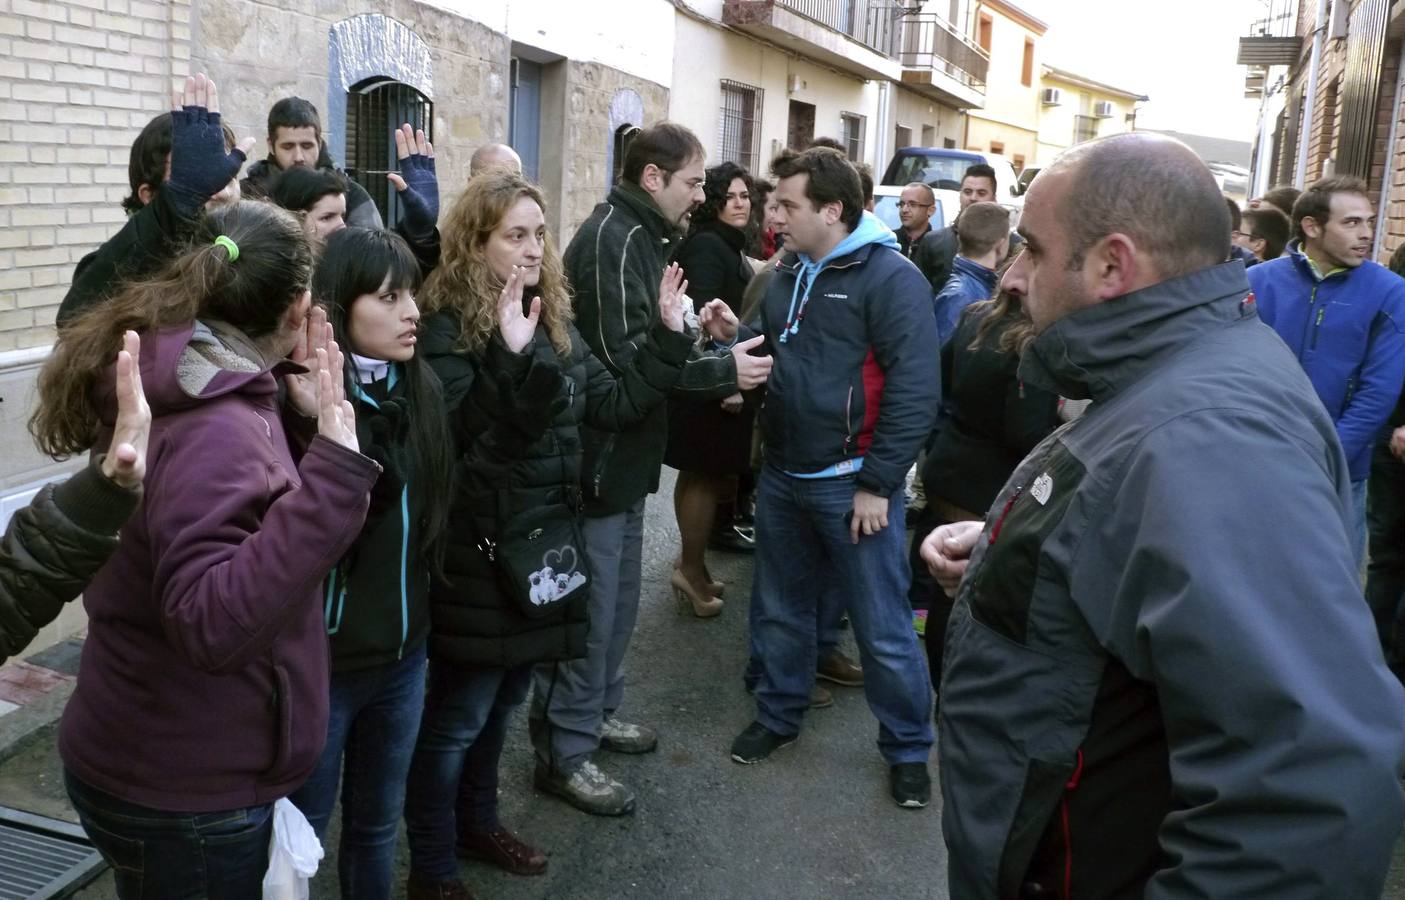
[1051, 96]
[1103, 109]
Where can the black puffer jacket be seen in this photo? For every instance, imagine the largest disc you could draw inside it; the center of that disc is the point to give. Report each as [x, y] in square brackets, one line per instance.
[361, 211]
[53, 547]
[527, 457]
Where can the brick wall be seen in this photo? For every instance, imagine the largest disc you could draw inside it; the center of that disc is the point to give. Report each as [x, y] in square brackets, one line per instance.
[78, 80]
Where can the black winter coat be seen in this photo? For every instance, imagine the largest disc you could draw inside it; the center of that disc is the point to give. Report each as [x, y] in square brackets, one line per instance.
[53, 547]
[376, 600]
[361, 211]
[528, 454]
[990, 420]
[702, 437]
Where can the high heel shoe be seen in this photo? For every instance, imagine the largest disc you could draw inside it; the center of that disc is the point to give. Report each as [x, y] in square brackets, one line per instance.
[714, 588]
[704, 607]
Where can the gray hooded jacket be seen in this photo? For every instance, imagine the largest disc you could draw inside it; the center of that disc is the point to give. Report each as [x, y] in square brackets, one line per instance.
[1161, 678]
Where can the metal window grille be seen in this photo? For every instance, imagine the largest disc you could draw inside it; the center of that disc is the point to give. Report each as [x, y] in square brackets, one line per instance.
[739, 125]
[1085, 128]
[374, 108]
[852, 128]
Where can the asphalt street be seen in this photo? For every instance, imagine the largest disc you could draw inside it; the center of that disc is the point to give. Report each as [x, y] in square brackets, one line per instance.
[815, 821]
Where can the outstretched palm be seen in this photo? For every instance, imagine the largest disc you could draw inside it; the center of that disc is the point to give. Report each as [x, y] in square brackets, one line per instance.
[515, 326]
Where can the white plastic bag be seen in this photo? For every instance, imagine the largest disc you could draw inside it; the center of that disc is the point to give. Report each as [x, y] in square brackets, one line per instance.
[293, 854]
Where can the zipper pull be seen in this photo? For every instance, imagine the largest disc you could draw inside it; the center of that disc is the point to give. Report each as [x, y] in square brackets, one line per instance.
[995, 531]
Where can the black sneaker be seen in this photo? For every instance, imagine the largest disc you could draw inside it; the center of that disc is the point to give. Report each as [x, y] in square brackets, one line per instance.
[731, 538]
[910, 784]
[757, 743]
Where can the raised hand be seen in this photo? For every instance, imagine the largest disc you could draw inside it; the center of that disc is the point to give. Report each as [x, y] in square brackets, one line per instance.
[303, 388]
[672, 295]
[516, 328]
[417, 184]
[125, 462]
[336, 419]
[752, 371]
[718, 320]
[200, 167]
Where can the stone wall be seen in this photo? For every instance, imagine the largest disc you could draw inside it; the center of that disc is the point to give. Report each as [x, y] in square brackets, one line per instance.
[590, 89]
[260, 52]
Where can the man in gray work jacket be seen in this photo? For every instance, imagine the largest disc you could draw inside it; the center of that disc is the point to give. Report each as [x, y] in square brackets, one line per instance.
[1160, 678]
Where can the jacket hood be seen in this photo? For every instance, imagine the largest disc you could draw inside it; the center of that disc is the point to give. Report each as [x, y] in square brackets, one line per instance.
[186, 365]
[1097, 351]
[870, 232]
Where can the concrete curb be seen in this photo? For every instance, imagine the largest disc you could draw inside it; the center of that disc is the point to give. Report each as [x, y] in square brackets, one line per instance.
[18, 726]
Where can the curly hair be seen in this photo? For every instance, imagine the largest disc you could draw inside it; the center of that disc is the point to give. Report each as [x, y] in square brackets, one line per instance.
[719, 181]
[466, 286]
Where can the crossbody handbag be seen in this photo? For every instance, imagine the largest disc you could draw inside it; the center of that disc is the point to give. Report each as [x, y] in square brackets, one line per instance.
[539, 555]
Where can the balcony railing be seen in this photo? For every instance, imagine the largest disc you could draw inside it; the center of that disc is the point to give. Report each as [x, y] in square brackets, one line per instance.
[877, 24]
[1273, 39]
[931, 42]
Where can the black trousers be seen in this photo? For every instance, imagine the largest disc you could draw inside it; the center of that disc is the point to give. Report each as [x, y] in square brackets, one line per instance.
[1385, 572]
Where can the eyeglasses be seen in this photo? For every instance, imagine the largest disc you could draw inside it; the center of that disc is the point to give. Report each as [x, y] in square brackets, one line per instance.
[1244, 234]
[912, 204]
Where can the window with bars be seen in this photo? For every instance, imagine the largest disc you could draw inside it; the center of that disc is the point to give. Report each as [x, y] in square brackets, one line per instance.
[851, 129]
[374, 109]
[739, 125]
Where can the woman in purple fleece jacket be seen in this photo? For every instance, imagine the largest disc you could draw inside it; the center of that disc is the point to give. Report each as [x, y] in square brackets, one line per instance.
[202, 692]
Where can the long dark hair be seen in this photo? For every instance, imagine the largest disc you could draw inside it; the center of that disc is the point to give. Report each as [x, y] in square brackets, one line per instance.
[1004, 315]
[252, 293]
[359, 261]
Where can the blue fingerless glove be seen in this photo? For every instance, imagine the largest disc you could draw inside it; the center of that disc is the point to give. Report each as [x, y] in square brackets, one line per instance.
[200, 167]
[421, 195]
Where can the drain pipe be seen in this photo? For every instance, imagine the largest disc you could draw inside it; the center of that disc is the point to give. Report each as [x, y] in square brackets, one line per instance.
[1305, 127]
[1389, 155]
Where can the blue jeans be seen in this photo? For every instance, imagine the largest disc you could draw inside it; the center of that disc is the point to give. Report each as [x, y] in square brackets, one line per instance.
[374, 714]
[465, 707]
[802, 539]
[832, 604]
[158, 855]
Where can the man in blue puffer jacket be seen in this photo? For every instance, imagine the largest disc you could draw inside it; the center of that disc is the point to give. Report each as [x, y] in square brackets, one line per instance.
[852, 395]
[1343, 316]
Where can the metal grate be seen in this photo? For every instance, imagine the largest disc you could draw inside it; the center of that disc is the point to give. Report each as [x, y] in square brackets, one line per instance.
[739, 125]
[43, 858]
[373, 109]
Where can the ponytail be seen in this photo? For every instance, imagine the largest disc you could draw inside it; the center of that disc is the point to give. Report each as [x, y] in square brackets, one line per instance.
[250, 287]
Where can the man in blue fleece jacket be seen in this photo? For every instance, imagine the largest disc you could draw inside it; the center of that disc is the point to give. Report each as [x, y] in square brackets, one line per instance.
[1343, 316]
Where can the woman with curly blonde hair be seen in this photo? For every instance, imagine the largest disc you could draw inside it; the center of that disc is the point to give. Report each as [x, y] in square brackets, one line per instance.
[519, 382]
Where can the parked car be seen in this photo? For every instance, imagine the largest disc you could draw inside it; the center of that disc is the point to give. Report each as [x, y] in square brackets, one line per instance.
[942, 168]
[885, 206]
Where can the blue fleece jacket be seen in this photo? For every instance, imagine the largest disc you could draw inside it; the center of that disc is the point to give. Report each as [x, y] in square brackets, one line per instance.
[1347, 328]
[969, 282]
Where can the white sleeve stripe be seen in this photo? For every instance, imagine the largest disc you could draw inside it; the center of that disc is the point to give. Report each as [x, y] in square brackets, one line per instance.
[600, 317]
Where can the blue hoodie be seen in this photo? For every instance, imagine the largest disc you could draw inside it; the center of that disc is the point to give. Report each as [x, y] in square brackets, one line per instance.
[856, 378]
[1347, 328]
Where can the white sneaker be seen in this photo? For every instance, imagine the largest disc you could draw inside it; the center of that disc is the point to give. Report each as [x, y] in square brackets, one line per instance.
[624, 737]
[587, 789]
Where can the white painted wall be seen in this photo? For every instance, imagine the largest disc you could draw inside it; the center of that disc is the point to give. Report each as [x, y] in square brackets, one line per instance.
[708, 54]
[634, 36]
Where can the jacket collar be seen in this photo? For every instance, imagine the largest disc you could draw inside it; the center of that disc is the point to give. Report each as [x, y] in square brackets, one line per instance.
[1308, 267]
[973, 269]
[1098, 351]
[640, 205]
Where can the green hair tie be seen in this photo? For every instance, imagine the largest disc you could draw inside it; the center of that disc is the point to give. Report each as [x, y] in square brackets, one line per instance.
[229, 245]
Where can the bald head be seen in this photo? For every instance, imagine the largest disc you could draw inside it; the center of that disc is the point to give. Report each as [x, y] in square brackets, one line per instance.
[1151, 188]
[490, 156]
